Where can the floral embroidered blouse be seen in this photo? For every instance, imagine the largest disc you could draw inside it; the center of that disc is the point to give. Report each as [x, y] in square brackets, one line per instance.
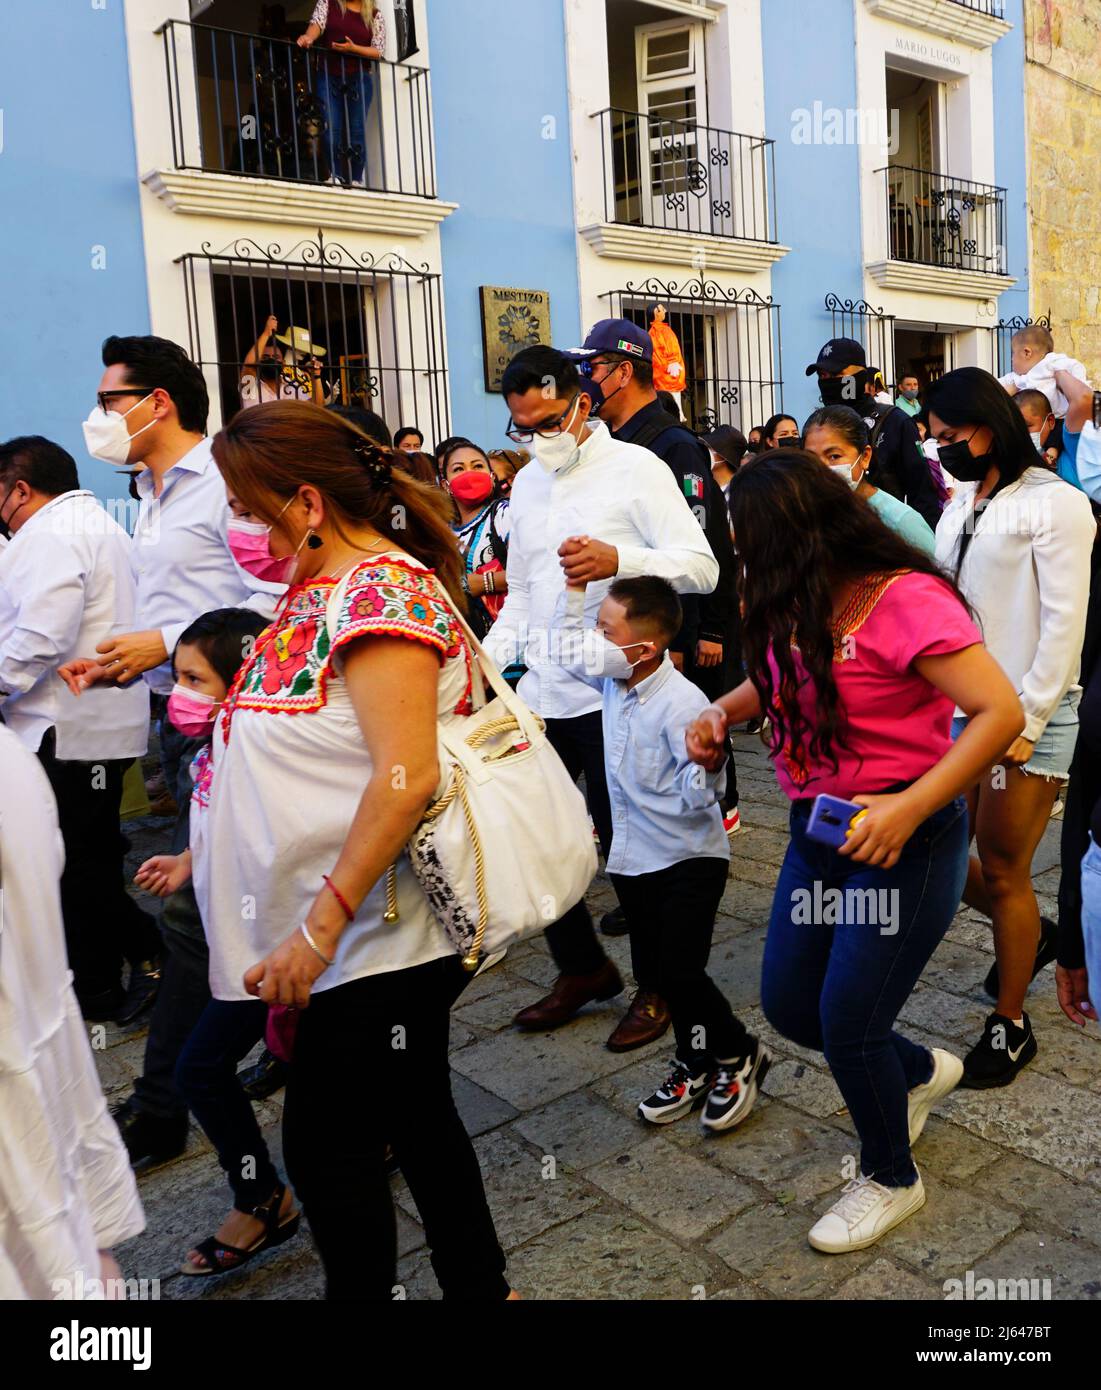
[290, 767]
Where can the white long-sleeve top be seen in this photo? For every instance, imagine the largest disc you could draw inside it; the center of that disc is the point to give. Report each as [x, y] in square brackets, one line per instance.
[616, 493]
[66, 1187]
[181, 559]
[1026, 573]
[1042, 378]
[66, 586]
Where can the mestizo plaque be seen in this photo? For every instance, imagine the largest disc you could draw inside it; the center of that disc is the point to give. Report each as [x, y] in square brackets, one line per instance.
[511, 320]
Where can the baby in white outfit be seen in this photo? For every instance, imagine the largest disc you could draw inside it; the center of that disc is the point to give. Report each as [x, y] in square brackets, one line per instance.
[1035, 363]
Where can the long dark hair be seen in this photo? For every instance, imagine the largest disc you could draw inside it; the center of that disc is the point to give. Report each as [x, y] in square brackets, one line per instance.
[970, 396]
[801, 533]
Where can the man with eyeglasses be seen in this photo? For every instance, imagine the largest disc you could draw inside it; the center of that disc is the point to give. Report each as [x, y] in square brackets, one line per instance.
[151, 416]
[589, 510]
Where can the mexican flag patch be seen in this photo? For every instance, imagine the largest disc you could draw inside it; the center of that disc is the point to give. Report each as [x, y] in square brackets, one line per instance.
[693, 487]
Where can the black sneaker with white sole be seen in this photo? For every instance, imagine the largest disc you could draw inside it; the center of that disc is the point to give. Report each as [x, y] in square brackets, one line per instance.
[999, 1054]
[681, 1090]
[737, 1085]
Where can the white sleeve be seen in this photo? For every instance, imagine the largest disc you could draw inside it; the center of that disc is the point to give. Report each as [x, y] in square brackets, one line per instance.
[321, 14]
[578, 649]
[46, 580]
[676, 548]
[1061, 549]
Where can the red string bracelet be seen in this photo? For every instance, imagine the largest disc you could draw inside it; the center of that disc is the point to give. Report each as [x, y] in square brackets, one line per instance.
[339, 896]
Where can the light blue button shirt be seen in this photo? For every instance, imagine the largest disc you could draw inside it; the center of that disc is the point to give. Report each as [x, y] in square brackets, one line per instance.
[665, 808]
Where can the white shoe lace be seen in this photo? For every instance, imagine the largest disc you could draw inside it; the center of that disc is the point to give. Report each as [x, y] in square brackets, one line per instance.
[858, 1196]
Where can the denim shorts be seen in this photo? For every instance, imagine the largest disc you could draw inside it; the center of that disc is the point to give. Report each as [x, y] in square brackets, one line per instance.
[1054, 749]
[1091, 919]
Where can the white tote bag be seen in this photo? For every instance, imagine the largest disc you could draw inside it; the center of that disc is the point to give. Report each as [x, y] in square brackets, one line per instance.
[506, 847]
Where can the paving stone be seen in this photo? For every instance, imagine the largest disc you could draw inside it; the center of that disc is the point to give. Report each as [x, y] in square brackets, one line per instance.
[952, 1230]
[497, 1010]
[1073, 1270]
[952, 1153]
[969, 929]
[479, 1110]
[795, 1157]
[763, 845]
[679, 1192]
[945, 1013]
[768, 1244]
[1068, 1053]
[523, 1201]
[118, 1065]
[883, 1280]
[1047, 1198]
[735, 966]
[741, 1292]
[744, 873]
[804, 1087]
[581, 1130]
[529, 1069]
[1038, 1117]
[748, 901]
[754, 1019]
[459, 1036]
[639, 1075]
[606, 1254]
[958, 969]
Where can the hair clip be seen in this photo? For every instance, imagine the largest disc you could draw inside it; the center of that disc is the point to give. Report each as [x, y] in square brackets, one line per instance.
[374, 460]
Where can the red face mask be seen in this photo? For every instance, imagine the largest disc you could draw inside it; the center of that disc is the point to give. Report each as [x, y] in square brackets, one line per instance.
[472, 488]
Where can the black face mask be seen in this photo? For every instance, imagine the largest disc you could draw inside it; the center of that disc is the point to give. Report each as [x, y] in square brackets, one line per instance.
[839, 390]
[962, 463]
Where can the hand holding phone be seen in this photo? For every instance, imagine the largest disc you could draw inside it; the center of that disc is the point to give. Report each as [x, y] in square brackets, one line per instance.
[831, 820]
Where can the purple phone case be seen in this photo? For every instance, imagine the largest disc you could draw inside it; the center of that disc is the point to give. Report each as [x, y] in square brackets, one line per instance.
[830, 818]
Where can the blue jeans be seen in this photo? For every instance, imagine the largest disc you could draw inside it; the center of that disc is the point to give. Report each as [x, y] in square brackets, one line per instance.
[344, 102]
[1091, 919]
[206, 1075]
[837, 986]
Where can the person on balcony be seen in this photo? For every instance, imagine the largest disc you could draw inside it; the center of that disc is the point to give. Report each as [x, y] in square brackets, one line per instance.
[353, 31]
[269, 376]
[669, 374]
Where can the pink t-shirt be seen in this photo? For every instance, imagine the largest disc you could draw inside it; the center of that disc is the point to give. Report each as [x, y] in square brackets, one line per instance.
[896, 725]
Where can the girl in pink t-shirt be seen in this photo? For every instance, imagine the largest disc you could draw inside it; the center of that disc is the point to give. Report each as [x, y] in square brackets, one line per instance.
[858, 650]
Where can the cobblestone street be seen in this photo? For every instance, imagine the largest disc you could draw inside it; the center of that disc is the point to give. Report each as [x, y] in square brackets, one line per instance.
[626, 1211]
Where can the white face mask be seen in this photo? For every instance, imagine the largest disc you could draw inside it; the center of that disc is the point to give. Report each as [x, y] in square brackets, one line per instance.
[616, 666]
[845, 472]
[560, 452]
[106, 436]
[1037, 438]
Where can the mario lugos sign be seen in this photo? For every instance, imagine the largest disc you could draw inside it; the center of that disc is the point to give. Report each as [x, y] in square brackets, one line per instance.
[511, 321]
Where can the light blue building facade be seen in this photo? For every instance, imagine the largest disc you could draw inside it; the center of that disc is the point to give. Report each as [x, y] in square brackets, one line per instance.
[728, 158]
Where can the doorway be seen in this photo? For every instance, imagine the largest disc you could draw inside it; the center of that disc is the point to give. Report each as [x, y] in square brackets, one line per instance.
[926, 351]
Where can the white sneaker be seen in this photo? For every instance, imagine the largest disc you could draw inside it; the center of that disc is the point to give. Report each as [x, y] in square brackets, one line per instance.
[490, 961]
[947, 1071]
[865, 1212]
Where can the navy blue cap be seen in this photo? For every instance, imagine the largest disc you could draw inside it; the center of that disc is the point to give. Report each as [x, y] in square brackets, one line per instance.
[838, 354]
[615, 335]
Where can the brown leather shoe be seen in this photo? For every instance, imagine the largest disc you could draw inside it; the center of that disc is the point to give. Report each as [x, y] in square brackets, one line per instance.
[570, 992]
[647, 1018]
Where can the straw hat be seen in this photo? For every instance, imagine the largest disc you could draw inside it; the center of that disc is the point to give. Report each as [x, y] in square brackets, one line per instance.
[299, 340]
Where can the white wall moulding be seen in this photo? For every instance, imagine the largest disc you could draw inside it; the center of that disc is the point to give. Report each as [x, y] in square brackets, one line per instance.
[932, 279]
[619, 242]
[247, 200]
[951, 19]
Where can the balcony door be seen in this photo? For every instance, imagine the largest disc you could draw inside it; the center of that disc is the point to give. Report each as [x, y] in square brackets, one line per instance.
[672, 102]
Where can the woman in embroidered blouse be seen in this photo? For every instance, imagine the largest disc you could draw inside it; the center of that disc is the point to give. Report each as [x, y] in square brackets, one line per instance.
[354, 30]
[324, 762]
[857, 649]
[481, 530]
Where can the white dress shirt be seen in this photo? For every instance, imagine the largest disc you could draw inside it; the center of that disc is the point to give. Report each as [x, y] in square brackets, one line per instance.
[181, 559]
[616, 493]
[65, 586]
[1026, 573]
[665, 808]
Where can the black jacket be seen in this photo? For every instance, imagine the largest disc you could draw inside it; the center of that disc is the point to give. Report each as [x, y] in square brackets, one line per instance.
[898, 466]
[708, 616]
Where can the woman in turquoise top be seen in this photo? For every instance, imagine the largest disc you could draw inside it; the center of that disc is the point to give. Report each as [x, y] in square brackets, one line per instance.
[839, 437]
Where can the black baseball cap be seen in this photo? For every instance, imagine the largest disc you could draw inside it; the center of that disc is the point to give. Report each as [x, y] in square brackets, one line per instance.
[730, 444]
[615, 335]
[838, 354]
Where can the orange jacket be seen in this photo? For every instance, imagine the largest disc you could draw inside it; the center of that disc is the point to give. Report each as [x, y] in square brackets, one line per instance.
[668, 359]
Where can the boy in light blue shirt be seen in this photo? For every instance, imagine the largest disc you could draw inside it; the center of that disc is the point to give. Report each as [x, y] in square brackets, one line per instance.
[670, 853]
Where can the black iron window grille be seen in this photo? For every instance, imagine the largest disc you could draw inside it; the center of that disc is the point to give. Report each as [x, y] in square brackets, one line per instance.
[937, 219]
[243, 104]
[731, 345]
[378, 323]
[1001, 340]
[875, 330]
[994, 8]
[678, 175]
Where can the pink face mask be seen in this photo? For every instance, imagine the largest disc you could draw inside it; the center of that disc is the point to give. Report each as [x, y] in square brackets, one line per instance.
[250, 545]
[192, 712]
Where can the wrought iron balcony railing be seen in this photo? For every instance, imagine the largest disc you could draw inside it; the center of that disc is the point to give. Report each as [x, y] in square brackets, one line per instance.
[677, 175]
[940, 220]
[262, 107]
[994, 8]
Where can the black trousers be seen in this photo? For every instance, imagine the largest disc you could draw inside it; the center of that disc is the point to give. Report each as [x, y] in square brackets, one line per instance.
[671, 914]
[579, 742]
[181, 999]
[370, 1065]
[103, 924]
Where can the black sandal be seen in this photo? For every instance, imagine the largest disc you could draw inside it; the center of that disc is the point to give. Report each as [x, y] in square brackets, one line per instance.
[221, 1258]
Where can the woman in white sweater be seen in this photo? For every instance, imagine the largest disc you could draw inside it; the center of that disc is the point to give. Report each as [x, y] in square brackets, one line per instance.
[1017, 539]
